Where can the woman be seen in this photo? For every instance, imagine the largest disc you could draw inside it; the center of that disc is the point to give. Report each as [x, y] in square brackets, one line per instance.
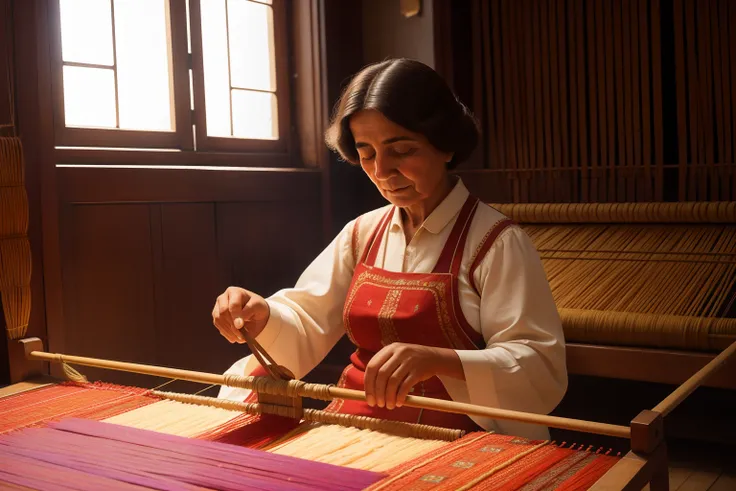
[441, 295]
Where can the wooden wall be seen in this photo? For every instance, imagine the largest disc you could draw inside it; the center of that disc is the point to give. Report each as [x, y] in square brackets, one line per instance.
[6, 66]
[144, 254]
[388, 34]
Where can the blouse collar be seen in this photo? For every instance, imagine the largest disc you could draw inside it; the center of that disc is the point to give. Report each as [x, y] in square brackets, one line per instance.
[443, 214]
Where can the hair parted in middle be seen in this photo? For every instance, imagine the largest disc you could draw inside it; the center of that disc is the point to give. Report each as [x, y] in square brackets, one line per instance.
[412, 95]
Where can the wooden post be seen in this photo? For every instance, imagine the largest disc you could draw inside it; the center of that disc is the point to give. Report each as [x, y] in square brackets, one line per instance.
[22, 367]
[647, 431]
[647, 436]
[660, 477]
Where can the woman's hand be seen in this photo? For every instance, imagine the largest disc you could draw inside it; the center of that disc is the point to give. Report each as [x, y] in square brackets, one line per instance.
[394, 370]
[236, 309]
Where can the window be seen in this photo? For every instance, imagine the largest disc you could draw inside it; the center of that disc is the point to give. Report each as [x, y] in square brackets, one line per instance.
[178, 74]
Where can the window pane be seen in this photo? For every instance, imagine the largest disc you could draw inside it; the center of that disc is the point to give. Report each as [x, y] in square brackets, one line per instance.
[89, 97]
[86, 31]
[255, 115]
[216, 73]
[144, 81]
[251, 45]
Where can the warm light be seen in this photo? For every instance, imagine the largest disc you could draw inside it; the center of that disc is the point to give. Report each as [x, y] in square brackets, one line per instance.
[254, 114]
[144, 90]
[140, 58]
[216, 74]
[86, 31]
[89, 97]
[251, 42]
[229, 110]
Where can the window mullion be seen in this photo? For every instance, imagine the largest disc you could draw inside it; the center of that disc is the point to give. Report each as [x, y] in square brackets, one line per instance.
[115, 63]
[179, 52]
[229, 68]
[195, 29]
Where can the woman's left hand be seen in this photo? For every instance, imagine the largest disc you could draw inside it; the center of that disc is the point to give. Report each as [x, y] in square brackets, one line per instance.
[394, 370]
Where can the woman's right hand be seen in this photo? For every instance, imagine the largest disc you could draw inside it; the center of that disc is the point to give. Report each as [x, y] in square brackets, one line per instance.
[237, 309]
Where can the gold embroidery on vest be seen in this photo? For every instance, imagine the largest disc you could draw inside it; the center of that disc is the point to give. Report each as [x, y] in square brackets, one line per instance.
[436, 288]
[386, 318]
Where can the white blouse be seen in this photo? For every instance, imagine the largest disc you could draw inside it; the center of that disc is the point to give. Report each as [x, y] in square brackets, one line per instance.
[523, 365]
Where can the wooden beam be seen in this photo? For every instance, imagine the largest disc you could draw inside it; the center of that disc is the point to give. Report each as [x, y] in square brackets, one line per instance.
[117, 185]
[696, 380]
[323, 392]
[642, 364]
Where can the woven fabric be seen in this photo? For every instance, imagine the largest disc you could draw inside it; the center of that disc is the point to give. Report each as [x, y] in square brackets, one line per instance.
[95, 401]
[479, 460]
[483, 461]
[76, 451]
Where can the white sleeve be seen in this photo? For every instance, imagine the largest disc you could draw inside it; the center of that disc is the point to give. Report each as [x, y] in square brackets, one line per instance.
[306, 320]
[523, 366]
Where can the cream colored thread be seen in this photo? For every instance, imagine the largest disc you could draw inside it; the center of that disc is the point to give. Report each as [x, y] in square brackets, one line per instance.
[313, 415]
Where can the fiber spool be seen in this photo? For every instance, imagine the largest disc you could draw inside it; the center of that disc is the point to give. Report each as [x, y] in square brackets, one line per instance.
[17, 306]
[14, 211]
[15, 252]
[15, 262]
[686, 212]
[630, 328]
[11, 162]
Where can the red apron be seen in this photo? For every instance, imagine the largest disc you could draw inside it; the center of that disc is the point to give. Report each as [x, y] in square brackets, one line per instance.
[383, 307]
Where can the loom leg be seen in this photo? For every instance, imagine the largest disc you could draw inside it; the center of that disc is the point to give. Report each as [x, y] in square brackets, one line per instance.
[661, 476]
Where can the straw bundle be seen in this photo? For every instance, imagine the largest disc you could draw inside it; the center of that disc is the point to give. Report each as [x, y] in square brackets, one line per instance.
[11, 152]
[681, 212]
[650, 274]
[15, 252]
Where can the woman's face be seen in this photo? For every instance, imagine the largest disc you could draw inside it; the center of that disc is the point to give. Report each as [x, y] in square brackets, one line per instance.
[403, 165]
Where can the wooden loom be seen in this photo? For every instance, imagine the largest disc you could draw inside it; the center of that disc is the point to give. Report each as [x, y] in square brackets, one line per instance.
[646, 291]
[645, 463]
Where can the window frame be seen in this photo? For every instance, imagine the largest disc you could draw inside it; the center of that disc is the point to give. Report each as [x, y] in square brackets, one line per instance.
[189, 132]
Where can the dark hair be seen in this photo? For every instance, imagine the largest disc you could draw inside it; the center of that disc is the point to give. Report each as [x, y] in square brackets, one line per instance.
[412, 95]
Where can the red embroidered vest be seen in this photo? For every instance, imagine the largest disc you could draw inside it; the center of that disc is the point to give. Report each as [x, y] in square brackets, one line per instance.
[383, 307]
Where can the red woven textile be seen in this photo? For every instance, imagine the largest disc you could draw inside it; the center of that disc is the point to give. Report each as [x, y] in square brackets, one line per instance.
[93, 401]
[499, 462]
[251, 431]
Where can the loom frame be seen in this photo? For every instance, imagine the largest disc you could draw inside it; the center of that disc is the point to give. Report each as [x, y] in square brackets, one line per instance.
[632, 472]
[646, 462]
[671, 366]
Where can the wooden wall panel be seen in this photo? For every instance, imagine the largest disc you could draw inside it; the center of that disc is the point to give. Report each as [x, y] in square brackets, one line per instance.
[188, 185]
[266, 246]
[187, 283]
[6, 66]
[108, 284]
[140, 279]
